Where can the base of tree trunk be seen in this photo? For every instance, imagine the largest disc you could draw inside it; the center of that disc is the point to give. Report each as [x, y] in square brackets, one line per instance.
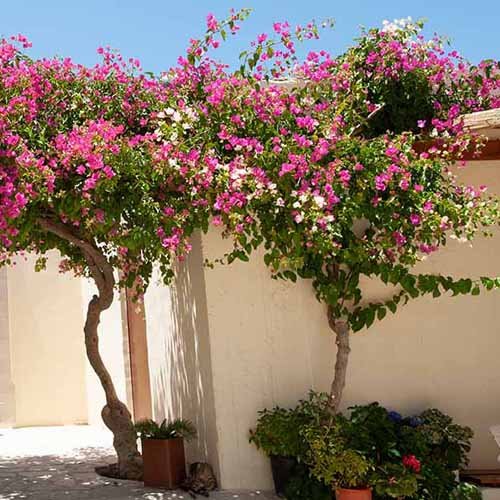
[113, 471]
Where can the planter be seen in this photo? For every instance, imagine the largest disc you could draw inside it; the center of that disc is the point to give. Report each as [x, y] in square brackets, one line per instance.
[164, 462]
[346, 494]
[282, 469]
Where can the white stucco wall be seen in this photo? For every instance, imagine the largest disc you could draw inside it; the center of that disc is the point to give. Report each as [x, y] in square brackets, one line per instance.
[42, 318]
[179, 354]
[47, 358]
[269, 344]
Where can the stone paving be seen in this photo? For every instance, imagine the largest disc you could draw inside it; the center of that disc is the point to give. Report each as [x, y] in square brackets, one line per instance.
[57, 463]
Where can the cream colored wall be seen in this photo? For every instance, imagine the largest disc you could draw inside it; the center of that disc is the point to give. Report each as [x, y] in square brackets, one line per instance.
[53, 381]
[7, 403]
[47, 358]
[179, 354]
[269, 344]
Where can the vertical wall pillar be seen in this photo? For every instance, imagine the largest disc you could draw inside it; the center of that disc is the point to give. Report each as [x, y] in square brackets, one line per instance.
[179, 354]
[138, 356]
[7, 402]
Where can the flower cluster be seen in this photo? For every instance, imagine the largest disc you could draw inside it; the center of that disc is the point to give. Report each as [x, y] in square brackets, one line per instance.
[341, 170]
[411, 462]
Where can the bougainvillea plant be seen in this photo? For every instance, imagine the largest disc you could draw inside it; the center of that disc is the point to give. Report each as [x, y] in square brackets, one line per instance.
[315, 160]
[342, 168]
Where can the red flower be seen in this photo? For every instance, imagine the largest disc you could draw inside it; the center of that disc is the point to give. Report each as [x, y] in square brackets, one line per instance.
[412, 462]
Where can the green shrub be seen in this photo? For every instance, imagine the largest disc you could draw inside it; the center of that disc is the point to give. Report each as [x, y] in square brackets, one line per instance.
[331, 458]
[449, 443]
[149, 429]
[466, 491]
[305, 486]
[393, 481]
[399, 457]
[279, 431]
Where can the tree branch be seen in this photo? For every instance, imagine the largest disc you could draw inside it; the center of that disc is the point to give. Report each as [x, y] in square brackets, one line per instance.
[358, 128]
[99, 267]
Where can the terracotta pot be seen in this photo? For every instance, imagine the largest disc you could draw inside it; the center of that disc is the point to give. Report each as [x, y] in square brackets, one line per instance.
[164, 462]
[346, 494]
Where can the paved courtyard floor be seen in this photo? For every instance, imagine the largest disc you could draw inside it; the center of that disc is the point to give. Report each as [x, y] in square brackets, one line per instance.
[57, 463]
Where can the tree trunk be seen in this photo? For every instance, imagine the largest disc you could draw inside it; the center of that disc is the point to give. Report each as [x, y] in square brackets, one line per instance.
[115, 414]
[342, 331]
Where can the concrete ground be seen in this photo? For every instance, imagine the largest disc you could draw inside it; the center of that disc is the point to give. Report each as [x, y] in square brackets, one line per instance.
[57, 463]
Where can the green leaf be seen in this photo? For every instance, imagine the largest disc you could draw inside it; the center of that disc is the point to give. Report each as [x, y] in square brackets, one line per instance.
[370, 316]
[381, 313]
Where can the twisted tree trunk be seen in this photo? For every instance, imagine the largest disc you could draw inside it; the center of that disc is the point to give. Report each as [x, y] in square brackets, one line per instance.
[115, 414]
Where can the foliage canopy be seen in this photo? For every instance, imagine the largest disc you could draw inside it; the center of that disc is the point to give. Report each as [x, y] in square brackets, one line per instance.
[319, 160]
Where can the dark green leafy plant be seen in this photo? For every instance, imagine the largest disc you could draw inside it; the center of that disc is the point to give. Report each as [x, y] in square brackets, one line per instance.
[305, 486]
[449, 442]
[438, 447]
[399, 457]
[179, 428]
[466, 491]
[437, 481]
[279, 431]
[393, 481]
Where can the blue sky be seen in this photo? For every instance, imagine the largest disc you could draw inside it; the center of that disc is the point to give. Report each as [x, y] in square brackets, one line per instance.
[157, 31]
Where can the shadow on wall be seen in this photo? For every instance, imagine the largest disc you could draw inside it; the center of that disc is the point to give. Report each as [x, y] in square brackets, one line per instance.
[179, 353]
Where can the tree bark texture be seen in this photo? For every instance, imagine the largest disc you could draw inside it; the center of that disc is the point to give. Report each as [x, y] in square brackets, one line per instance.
[342, 331]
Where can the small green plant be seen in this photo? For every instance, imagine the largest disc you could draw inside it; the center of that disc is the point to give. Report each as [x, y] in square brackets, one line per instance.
[179, 428]
[279, 431]
[332, 461]
[466, 491]
[393, 481]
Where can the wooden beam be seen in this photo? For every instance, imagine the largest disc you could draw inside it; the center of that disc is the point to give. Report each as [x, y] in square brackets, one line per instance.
[482, 120]
[490, 152]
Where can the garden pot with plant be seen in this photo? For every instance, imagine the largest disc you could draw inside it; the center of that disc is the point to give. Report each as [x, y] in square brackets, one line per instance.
[163, 451]
[278, 434]
[335, 462]
[351, 494]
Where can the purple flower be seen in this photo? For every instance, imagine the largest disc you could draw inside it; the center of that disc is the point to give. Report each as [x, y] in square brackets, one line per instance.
[414, 421]
[395, 416]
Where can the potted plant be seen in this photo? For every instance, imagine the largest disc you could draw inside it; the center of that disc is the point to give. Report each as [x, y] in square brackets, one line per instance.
[278, 434]
[414, 456]
[333, 462]
[163, 451]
